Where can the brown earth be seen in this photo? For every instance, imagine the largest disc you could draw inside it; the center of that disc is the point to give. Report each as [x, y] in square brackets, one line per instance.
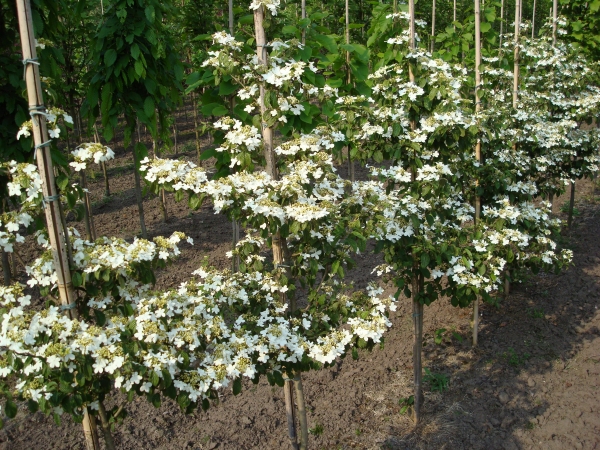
[532, 383]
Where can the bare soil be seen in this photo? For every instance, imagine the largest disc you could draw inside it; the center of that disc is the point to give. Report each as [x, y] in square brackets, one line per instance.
[532, 383]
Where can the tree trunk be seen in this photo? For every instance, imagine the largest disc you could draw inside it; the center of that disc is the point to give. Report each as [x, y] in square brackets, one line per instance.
[138, 188]
[6, 268]
[104, 421]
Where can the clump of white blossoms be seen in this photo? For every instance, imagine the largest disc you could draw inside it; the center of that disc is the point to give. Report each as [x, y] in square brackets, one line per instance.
[90, 151]
[52, 115]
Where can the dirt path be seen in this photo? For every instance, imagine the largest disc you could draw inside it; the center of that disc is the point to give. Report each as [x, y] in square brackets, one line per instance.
[532, 383]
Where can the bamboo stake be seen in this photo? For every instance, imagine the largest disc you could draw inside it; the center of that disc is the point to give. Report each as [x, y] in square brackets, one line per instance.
[501, 21]
[433, 26]
[515, 98]
[290, 413]
[230, 5]
[278, 242]
[56, 233]
[301, 412]
[533, 20]
[416, 279]
[303, 6]
[454, 15]
[477, 147]
[349, 79]
[554, 17]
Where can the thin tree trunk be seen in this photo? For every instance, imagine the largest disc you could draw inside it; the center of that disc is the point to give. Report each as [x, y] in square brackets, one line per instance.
[175, 138]
[6, 268]
[104, 421]
[138, 187]
[197, 132]
[103, 165]
[571, 205]
[56, 232]
[87, 210]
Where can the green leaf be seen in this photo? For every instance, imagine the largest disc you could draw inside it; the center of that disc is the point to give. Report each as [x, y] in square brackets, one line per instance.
[139, 68]
[289, 29]
[485, 27]
[110, 57]
[150, 13]
[154, 378]
[149, 106]
[220, 110]
[135, 51]
[425, 259]
[76, 279]
[328, 42]
[11, 409]
[237, 386]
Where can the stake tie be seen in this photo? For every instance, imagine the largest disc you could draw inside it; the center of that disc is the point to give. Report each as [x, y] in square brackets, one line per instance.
[50, 198]
[45, 144]
[417, 314]
[68, 307]
[29, 61]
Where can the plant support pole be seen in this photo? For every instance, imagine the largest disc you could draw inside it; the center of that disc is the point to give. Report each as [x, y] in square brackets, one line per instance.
[416, 279]
[51, 198]
[477, 147]
[278, 243]
[432, 26]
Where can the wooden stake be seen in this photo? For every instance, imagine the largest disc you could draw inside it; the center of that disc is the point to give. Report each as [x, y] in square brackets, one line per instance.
[554, 17]
[349, 80]
[432, 26]
[278, 243]
[290, 413]
[533, 21]
[501, 21]
[303, 6]
[477, 146]
[416, 281]
[230, 5]
[301, 412]
[56, 233]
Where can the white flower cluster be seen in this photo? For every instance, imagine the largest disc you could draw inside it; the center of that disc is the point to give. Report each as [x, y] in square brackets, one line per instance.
[53, 115]
[25, 186]
[90, 151]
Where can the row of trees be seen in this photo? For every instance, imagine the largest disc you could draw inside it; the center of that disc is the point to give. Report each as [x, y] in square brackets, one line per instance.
[455, 215]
